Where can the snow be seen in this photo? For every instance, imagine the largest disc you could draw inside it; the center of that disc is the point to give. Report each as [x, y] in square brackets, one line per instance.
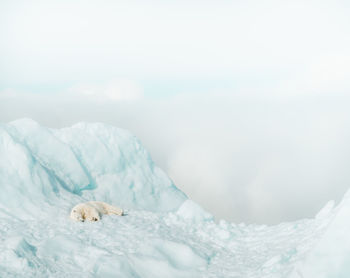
[331, 256]
[193, 212]
[45, 172]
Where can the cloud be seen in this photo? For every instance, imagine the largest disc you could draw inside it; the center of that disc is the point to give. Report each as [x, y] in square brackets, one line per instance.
[328, 73]
[116, 90]
[240, 43]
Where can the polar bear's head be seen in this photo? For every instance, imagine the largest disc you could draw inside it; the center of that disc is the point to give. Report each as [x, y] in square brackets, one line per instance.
[76, 215]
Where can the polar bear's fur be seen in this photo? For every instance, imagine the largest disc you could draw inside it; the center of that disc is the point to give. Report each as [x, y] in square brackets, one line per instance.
[92, 211]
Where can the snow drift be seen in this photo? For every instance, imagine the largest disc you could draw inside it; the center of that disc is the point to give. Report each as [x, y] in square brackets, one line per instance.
[45, 172]
[42, 168]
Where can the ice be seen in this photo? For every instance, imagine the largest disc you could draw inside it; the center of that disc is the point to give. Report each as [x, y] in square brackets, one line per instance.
[88, 161]
[45, 172]
[191, 211]
[331, 256]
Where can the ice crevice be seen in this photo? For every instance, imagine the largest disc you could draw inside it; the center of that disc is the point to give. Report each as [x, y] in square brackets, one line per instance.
[45, 172]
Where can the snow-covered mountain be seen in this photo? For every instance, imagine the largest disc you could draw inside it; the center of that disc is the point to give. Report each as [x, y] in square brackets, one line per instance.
[45, 172]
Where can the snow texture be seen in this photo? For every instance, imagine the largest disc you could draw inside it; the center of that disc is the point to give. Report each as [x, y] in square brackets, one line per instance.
[45, 172]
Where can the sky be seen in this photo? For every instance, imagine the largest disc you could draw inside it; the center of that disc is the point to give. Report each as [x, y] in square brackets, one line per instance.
[242, 103]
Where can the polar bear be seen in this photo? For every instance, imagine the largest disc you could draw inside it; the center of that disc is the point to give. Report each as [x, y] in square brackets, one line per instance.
[93, 210]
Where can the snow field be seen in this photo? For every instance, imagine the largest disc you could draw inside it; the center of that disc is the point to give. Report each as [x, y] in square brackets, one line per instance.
[45, 172]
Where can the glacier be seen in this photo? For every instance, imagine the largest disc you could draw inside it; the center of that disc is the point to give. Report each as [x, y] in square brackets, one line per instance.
[44, 172]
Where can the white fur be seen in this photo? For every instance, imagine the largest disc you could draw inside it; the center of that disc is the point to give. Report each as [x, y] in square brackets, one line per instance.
[92, 211]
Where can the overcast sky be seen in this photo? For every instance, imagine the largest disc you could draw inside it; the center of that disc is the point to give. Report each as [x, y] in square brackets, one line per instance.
[244, 103]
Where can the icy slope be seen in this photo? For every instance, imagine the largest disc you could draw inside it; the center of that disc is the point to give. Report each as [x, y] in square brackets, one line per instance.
[44, 168]
[44, 172]
[331, 256]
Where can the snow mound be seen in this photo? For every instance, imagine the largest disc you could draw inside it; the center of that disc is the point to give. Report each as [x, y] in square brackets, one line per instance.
[45, 172]
[191, 211]
[43, 168]
[331, 256]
